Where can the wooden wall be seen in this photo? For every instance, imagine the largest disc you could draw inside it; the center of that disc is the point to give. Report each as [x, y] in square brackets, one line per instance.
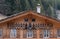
[6, 30]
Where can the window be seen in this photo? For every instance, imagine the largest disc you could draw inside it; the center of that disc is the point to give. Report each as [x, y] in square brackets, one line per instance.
[13, 33]
[33, 20]
[34, 34]
[58, 32]
[46, 33]
[0, 32]
[29, 34]
[26, 19]
[41, 34]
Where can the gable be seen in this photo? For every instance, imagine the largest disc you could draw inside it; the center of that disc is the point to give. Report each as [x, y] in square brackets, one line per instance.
[29, 14]
[30, 18]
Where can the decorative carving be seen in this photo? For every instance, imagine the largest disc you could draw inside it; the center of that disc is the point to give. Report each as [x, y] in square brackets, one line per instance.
[30, 26]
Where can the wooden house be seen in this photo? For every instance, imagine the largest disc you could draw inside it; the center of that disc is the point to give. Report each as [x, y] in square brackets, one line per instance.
[29, 25]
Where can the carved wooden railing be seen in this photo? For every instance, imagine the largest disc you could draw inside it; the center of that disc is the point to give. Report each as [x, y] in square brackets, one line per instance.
[30, 26]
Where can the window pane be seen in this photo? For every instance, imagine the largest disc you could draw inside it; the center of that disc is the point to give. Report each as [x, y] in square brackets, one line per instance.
[58, 32]
[41, 34]
[33, 20]
[13, 33]
[46, 33]
[26, 19]
[30, 34]
[0, 32]
[34, 34]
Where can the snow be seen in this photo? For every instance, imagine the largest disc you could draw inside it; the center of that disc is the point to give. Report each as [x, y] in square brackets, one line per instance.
[2, 16]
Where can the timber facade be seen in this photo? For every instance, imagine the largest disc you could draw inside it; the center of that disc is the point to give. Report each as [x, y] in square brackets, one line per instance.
[29, 25]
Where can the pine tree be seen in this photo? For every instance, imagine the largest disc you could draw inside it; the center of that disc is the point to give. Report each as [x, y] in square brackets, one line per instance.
[21, 5]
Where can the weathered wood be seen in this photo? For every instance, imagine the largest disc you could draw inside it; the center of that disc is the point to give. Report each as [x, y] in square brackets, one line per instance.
[38, 26]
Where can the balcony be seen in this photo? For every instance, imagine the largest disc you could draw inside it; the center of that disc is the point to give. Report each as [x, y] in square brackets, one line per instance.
[31, 26]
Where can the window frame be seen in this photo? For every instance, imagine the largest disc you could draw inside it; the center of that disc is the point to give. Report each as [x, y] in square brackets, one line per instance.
[29, 34]
[26, 19]
[1, 33]
[33, 19]
[13, 33]
[46, 33]
[58, 33]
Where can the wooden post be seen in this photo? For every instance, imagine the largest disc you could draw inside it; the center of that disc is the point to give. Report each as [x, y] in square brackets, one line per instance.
[4, 32]
[21, 34]
[38, 34]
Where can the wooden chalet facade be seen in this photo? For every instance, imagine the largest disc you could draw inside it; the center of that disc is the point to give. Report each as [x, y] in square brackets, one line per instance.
[29, 25]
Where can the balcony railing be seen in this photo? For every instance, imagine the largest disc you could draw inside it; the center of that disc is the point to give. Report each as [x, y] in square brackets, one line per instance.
[30, 25]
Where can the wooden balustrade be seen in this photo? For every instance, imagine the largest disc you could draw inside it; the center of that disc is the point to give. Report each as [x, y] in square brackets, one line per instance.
[30, 26]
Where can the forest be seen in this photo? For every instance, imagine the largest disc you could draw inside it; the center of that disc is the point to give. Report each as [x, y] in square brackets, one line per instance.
[48, 7]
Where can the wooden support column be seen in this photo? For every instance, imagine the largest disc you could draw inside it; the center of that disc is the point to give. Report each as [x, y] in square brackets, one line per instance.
[21, 34]
[38, 34]
[4, 32]
[18, 33]
[55, 32]
[8, 33]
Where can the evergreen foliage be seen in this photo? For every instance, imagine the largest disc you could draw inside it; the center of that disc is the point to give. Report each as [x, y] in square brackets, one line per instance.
[21, 5]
